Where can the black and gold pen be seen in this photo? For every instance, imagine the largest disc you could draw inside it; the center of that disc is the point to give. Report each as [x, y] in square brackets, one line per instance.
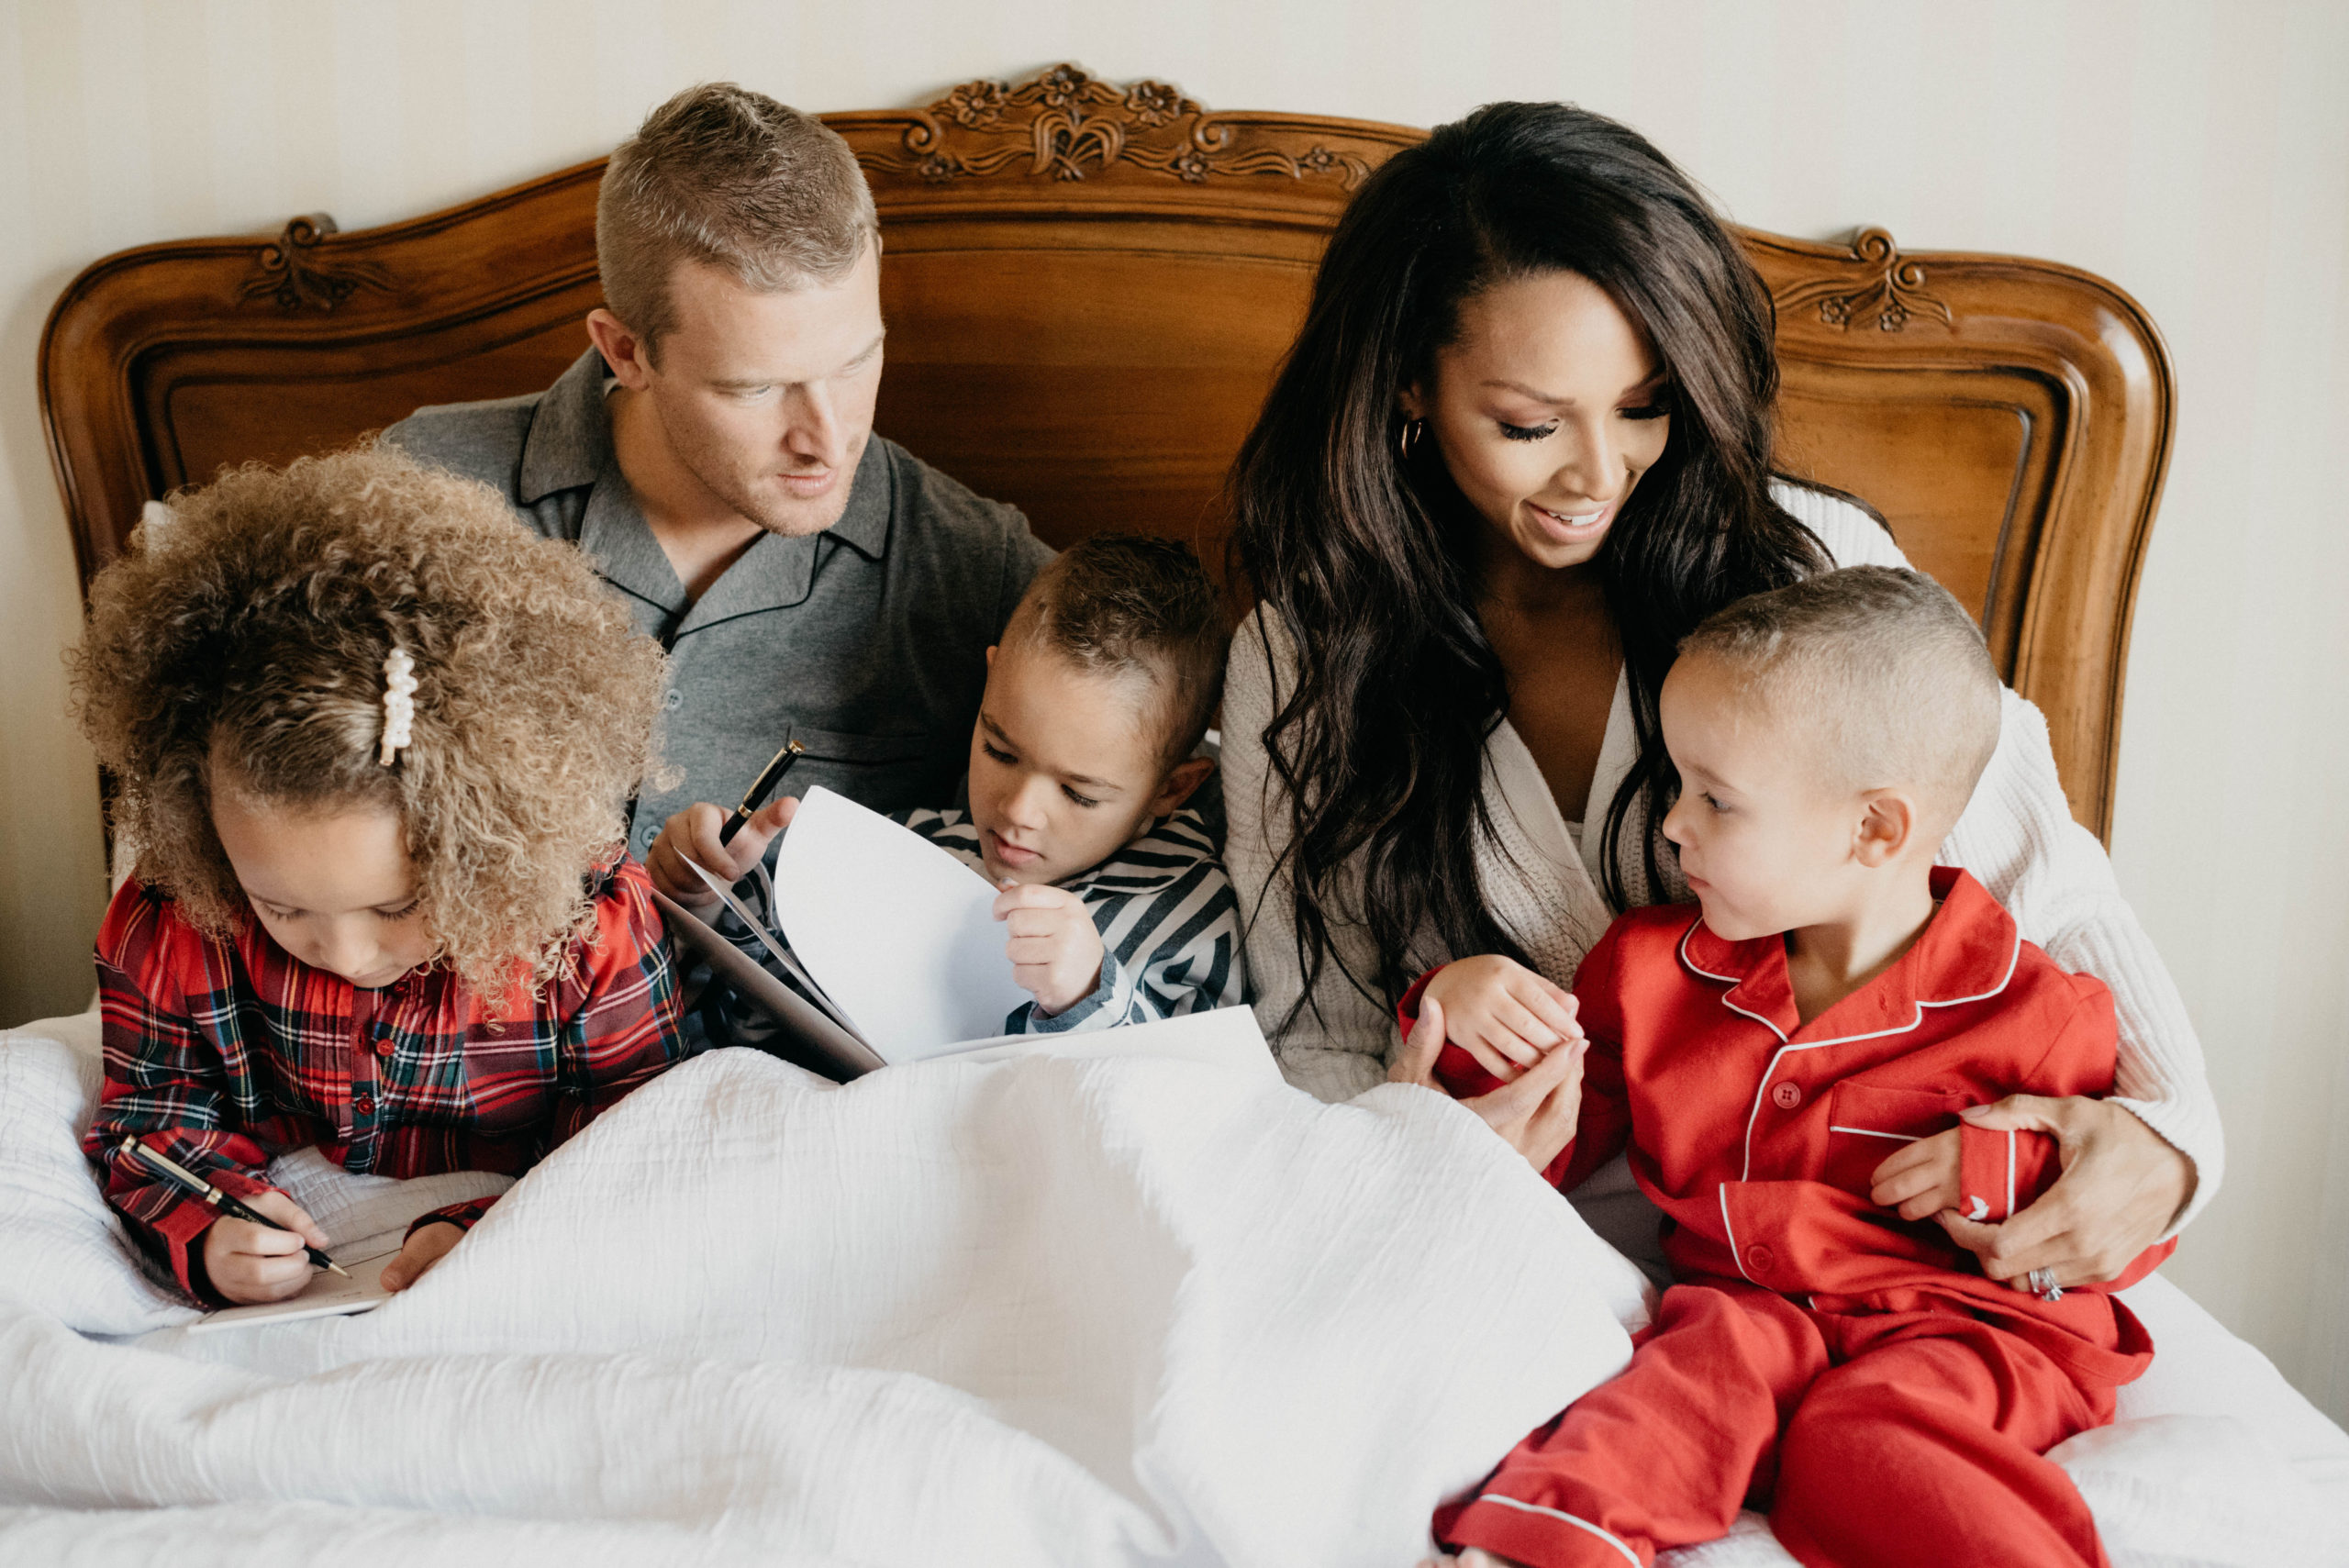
[768, 778]
[195, 1186]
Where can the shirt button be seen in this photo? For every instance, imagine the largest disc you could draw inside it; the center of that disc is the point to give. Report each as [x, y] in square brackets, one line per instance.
[1758, 1259]
[1786, 1096]
[645, 835]
[672, 699]
[364, 1104]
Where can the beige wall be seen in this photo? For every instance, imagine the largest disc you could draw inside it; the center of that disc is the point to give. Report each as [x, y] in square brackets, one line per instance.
[2199, 155]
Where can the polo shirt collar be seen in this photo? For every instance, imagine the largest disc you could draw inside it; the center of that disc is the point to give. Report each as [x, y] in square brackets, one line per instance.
[777, 573]
[1967, 953]
[569, 443]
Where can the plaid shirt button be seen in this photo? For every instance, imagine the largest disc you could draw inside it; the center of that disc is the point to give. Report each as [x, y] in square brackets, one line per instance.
[363, 1104]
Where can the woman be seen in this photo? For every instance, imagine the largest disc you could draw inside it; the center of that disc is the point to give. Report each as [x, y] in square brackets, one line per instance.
[1520, 448]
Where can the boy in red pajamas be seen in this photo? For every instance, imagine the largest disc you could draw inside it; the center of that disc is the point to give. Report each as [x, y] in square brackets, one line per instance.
[1827, 1350]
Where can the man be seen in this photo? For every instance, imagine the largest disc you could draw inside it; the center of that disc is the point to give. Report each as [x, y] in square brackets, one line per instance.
[714, 454]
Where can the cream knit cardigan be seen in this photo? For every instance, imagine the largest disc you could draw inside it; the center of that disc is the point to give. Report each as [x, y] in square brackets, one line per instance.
[2017, 836]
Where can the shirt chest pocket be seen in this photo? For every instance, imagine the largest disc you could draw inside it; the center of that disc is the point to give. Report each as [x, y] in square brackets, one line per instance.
[1867, 1123]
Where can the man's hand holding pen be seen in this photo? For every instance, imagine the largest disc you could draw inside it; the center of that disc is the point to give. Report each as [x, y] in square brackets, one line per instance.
[693, 835]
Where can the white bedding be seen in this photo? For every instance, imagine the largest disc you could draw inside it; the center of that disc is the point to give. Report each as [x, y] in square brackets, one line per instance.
[1041, 1311]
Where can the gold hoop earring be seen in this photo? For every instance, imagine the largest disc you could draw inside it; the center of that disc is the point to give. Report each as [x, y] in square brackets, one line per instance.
[1407, 440]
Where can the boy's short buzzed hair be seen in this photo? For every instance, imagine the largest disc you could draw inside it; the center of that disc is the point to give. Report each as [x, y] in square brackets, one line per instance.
[732, 179]
[1119, 604]
[1883, 666]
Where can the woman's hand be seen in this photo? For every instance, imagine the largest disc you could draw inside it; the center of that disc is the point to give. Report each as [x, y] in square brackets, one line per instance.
[1054, 947]
[427, 1245]
[1501, 1013]
[251, 1263]
[1535, 1114]
[691, 836]
[2122, 1187]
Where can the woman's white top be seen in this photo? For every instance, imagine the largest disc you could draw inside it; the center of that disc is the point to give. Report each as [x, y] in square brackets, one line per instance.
[1541, 883]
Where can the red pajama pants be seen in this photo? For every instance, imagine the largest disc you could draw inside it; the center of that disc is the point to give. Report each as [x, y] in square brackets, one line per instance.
[1896, 1439]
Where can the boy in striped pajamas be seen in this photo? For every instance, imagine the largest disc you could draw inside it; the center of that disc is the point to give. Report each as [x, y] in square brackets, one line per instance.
[1115, 907]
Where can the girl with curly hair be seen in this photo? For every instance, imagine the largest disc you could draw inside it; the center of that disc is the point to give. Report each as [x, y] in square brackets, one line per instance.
[371, 743]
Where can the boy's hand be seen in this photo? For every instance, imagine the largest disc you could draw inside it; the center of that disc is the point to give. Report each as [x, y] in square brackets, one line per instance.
[1921, 1179]
[1054, 950]
[251, 1263]
[692, 835]
[1501, 1013]
[427, 1245]
[1535, 1112]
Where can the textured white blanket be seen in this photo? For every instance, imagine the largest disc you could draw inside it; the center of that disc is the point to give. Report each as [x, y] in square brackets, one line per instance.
[1032, 1312]
[1041, 1311]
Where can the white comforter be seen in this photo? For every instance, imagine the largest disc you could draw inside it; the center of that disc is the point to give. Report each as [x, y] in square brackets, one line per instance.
[1041, 1311]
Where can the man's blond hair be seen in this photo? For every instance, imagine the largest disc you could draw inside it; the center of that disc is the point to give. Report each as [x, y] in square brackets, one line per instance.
[1882, 671]
[730, 179]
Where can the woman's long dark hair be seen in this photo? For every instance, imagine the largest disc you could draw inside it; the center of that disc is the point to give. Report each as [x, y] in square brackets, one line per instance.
[1367, 558]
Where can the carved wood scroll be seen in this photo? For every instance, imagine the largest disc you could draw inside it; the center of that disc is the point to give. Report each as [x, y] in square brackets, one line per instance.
[290, 273]
[1067, 125]
[1888, 293]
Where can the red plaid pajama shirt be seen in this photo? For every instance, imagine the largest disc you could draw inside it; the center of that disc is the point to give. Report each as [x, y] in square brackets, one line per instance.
[222, 1053]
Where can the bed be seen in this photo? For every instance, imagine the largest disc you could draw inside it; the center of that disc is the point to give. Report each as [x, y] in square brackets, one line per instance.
[1048, 245]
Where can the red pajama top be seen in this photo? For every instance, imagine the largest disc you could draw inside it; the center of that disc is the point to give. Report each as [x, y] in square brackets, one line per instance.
[1758, 1135]
[222, 1053]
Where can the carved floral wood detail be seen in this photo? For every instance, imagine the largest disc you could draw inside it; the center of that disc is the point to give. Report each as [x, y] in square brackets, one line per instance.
[290, 273]
[1066, 125]
[1889, 295]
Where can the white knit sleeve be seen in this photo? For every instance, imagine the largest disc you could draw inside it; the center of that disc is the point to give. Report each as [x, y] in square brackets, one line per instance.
[1336, 1044]
[2019, 841]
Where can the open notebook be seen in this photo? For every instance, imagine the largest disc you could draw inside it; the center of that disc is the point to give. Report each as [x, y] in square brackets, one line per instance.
[327, 1296]
[894, 956]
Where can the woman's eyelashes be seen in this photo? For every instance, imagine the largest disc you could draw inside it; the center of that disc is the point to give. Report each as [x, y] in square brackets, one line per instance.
[1509, 432]
[996, 753]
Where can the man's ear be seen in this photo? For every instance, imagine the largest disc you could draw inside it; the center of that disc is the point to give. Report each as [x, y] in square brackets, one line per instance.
[1180, 783]
[991, 647]
[1887, 826]
[622, 349]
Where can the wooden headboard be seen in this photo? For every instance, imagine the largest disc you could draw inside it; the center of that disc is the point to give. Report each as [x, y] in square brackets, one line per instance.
[1089, 287]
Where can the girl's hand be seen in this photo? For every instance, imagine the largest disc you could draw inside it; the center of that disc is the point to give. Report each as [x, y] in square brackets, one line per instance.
[427, 1245]
[1923, 1178]
[1055, 951]
[691, 836]
[2122, 1187]
[1535, 1114]
[251, 1263]
[1501, 1013]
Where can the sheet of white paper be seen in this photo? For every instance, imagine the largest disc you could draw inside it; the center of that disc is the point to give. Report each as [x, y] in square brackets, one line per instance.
[781, 954]
[898, 931]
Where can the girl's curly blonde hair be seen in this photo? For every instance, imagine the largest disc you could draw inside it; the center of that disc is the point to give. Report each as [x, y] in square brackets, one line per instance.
[252, 626]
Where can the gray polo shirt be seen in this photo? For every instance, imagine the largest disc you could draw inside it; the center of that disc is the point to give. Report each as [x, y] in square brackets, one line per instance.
[867, 643]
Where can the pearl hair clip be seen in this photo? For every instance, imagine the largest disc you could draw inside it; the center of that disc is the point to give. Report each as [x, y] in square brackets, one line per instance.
[399, 705]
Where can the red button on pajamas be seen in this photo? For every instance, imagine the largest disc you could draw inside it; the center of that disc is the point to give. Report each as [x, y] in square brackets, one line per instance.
[1852, 1373]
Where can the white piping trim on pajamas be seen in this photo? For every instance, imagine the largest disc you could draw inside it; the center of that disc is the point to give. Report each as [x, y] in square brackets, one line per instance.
[1746, 1172]
[1628, 1555]
[1872, 1132]
[1735, 1256]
